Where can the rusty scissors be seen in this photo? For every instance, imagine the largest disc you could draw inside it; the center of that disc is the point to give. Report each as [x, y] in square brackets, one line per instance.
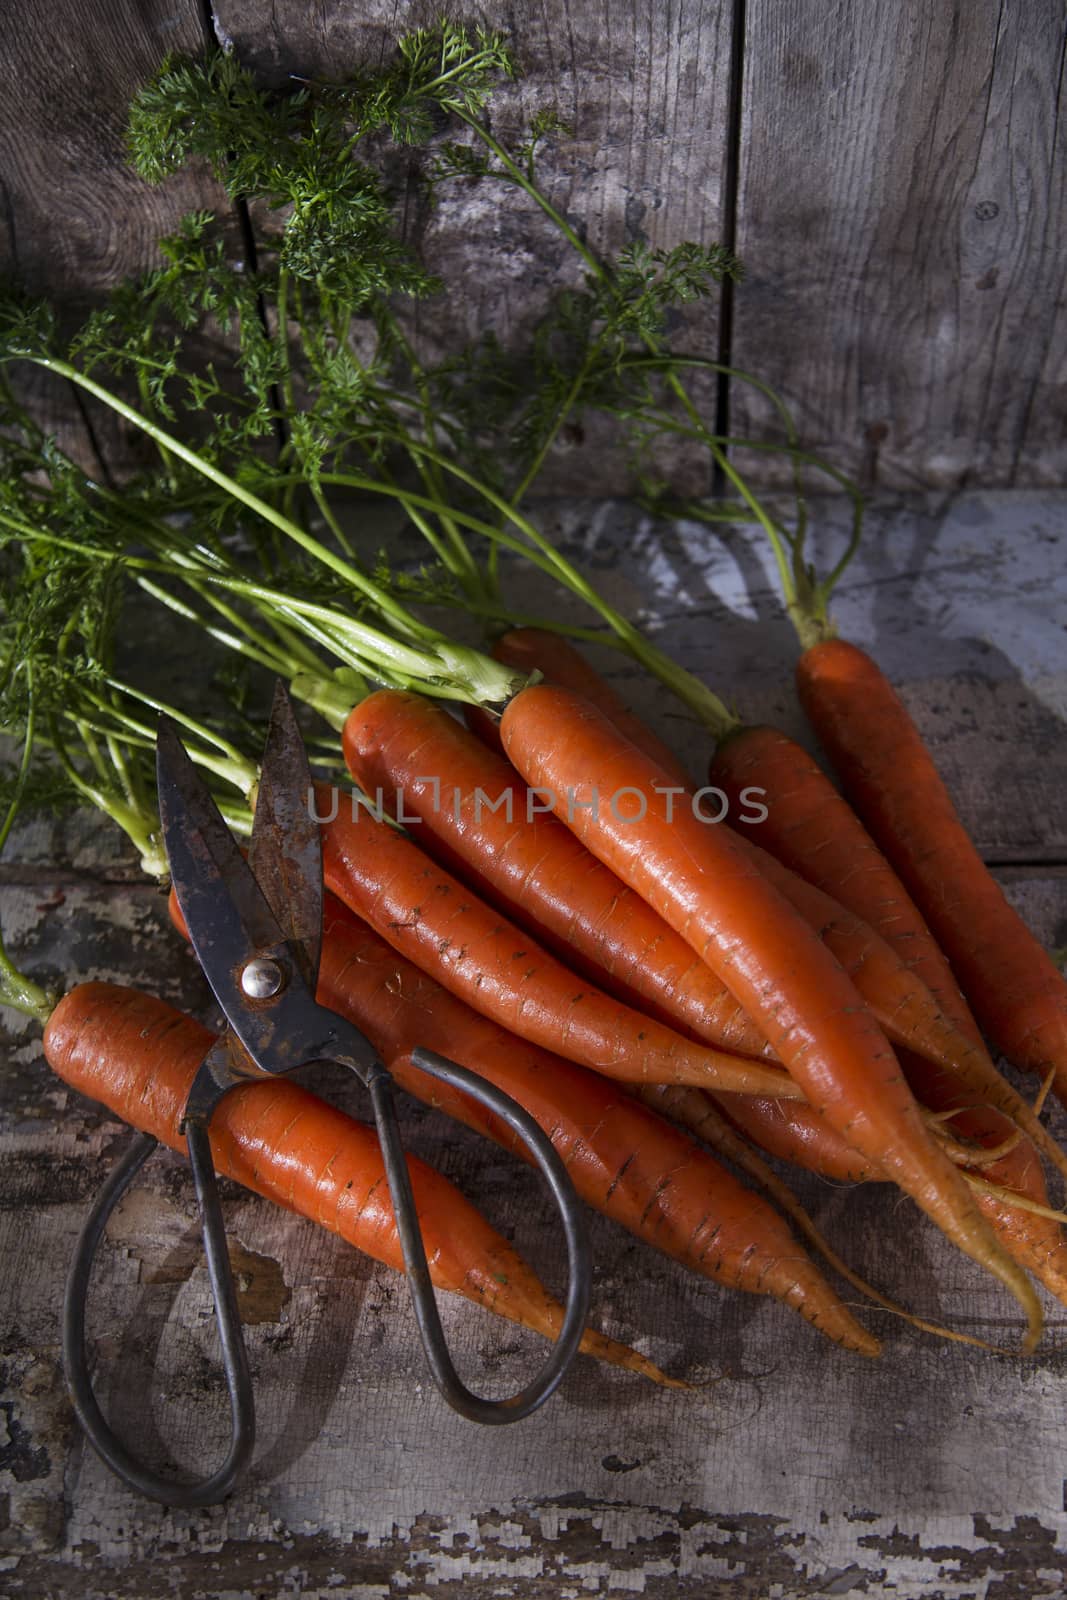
[256, 928]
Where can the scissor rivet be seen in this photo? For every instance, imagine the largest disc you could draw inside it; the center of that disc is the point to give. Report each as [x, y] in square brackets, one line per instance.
[262, 978]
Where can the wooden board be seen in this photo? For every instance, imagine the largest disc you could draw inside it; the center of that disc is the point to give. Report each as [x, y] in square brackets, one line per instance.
[76, 217]
[900, 209]
[937, 1468]
[935, 1474]
[641, 87]
[902, 187]
[76, 220]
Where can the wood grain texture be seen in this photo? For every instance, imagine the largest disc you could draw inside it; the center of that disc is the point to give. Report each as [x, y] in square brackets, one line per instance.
[75, 220]
[902, 199]
[643, 90]
[901, 207]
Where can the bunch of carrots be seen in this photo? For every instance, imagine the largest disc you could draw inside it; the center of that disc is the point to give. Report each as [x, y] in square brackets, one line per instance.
[542, 893]
[585, 960]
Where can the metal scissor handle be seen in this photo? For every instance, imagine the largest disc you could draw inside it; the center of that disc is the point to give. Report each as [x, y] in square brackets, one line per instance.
[579, 1284]
[209, 1490]
[204, 1491]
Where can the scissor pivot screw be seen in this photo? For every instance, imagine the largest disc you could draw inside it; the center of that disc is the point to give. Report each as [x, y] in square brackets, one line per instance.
[262, 978]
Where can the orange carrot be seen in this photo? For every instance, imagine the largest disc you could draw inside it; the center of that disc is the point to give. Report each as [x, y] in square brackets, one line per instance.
[417, 758]
[788, 1129]
[624, 1160]
[810, 827]
[1036, 1242]
[796, 1133]
[773, 961]
[1016, 992]
[813, 830]
[904, 1008]
[138, 1056]
[784, 1128]
[532, 867]
[482, 957]
[903, 1005]
[536, 650]
[410, 754]
[815, 833]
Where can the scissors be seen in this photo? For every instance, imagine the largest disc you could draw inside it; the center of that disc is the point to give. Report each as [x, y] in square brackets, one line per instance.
[256, 928]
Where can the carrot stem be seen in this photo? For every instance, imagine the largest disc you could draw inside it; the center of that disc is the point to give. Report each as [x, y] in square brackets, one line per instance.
[16, 989]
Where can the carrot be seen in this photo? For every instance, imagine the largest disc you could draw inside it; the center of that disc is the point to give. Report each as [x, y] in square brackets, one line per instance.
[1018, 996]
[787, 1129]
[773, 961]
[1036, 1242]
[798, 1134]
[531, 866]
[903, 1008]
[443, 926]
[708, 1119]
[902, 1003]
[398, 747]
[906, 1011]
[624, 1161]
[138, 1056]
[693, 1109]
[536, 650]
[812, 830]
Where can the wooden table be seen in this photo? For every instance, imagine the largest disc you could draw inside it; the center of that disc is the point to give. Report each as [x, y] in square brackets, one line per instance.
[794, 1469]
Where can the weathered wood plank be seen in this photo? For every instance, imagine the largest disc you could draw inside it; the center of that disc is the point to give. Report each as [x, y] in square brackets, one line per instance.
[76, 220]
[645, 94]
[902, 167]
[688, 1556]
[642, 88]
[902, 193]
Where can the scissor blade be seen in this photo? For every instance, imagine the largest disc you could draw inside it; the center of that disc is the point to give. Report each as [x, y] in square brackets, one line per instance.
[286, 850]
[225, 911]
